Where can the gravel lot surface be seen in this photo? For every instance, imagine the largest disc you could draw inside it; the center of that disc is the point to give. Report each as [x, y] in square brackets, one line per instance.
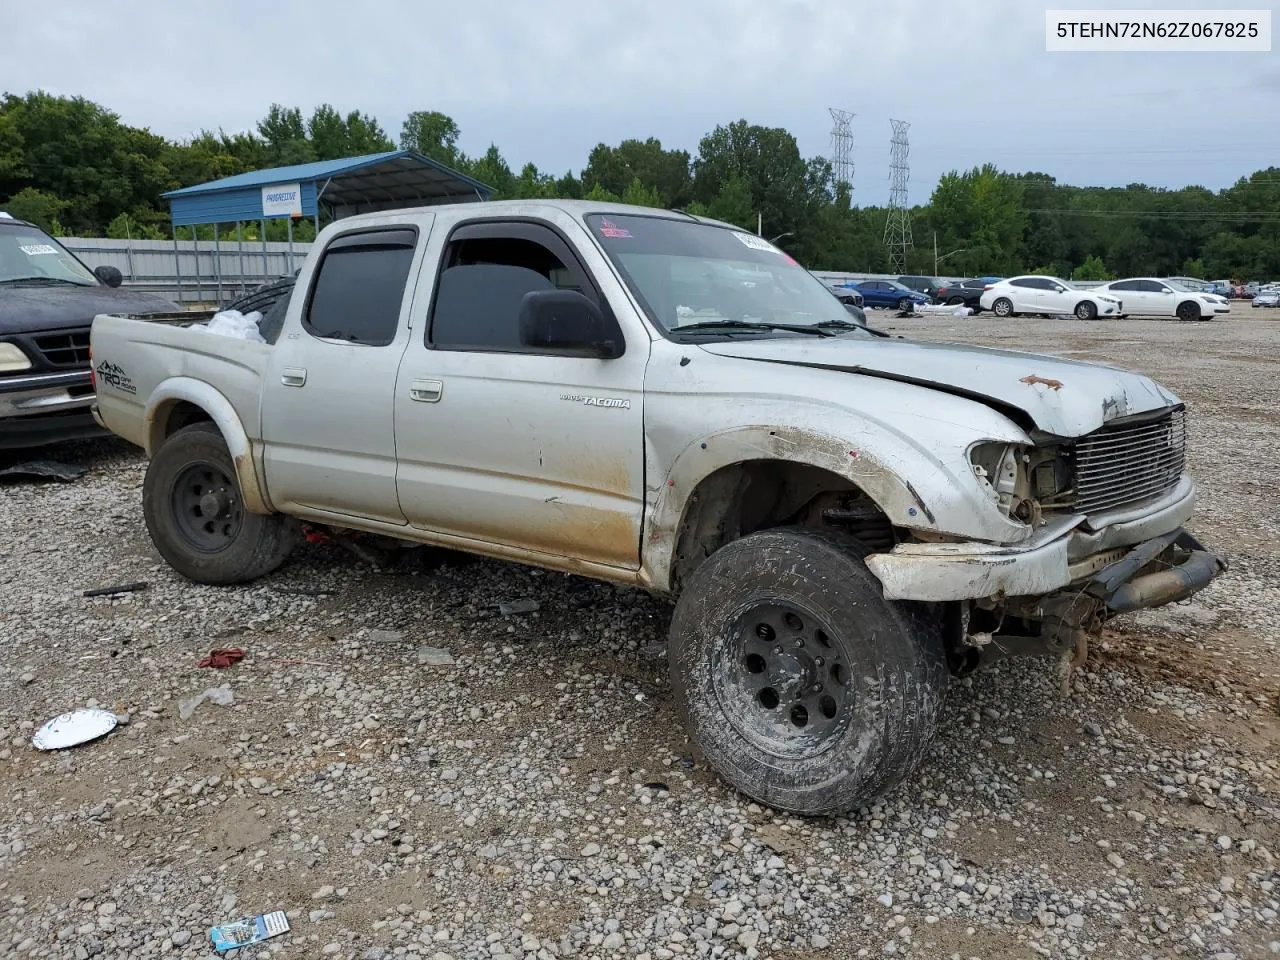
[530, 794]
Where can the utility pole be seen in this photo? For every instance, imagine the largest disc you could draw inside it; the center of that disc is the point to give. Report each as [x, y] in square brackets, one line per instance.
[760, 224]
[935, 253]
[842, 148]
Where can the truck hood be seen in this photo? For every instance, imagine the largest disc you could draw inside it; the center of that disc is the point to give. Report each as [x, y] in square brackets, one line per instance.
[1066, 398]
[36, 309]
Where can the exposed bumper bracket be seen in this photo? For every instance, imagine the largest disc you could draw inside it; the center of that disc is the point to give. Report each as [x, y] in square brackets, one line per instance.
[1123, 588]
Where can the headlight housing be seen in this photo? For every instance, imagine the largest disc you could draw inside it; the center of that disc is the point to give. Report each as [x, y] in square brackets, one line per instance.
[12, 359]
[996, 466]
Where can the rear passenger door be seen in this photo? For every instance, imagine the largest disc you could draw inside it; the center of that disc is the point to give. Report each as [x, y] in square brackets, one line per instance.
[327, 404]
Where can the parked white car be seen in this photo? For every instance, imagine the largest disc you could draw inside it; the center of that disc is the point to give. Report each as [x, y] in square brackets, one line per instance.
[1268, 298]
[1149, 297]
[1037, 294]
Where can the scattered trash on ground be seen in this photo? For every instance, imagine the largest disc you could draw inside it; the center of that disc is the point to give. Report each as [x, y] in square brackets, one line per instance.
[233, 323]
[221, 659]
[45, 470]
[384, 636]
[74, 728]
[117, 589]
[434, 657]
[519, 606]
[250, 930]
[220, 696]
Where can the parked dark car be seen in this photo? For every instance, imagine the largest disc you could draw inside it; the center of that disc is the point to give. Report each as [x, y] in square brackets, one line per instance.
[929, 286]
[966, 292]
[48, 299]
[890, 294]
[852, 301]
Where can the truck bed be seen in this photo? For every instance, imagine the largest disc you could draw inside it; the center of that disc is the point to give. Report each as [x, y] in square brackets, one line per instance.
[132, 357]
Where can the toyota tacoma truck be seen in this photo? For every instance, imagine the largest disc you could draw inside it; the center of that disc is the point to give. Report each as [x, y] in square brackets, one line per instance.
[843, 520]
[48, 300]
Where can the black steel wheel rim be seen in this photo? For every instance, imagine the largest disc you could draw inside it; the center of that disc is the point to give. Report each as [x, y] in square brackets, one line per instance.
[206, 507]
[783, 681]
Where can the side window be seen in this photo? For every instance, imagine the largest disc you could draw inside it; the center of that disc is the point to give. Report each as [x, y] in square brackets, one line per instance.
[1148, 286]
[487, 270]
[1028, 282]
[359, 287]
[1126, 285]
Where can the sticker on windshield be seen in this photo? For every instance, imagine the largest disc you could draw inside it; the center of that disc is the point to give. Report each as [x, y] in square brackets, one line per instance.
[756, 243]
[611, 230]
[37, 249]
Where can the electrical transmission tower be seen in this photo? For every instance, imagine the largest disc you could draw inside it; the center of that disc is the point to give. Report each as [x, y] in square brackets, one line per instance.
[842, 147]
[897, 228]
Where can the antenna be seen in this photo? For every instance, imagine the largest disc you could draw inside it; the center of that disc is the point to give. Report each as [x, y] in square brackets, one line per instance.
[897, 227]
[842, 147]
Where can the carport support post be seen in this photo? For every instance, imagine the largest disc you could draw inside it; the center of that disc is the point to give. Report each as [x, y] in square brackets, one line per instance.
[240, 258]
[266, 270]
[217, 264]
[177, 262]
[291, 244]
[195, 249]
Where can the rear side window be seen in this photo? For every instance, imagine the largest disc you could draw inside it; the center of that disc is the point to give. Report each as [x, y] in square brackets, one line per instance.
[1029, 282]
[359, 287]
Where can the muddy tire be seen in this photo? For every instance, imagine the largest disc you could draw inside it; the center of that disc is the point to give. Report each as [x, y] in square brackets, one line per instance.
[1002, 308]
[799, 682]
[194, 513]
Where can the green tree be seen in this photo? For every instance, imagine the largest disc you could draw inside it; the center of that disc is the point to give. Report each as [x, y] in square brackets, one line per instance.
[285, 135]
[432, 134]
[733, 204]
[640, 195]
[665, 172]
[1092, 269]
[980, 211]
[38, 207]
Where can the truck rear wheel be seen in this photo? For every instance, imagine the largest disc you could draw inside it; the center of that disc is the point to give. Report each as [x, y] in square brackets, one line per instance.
[196, 518]
[800, 683]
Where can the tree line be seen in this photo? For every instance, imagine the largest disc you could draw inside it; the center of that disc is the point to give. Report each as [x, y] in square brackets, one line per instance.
[73, 167]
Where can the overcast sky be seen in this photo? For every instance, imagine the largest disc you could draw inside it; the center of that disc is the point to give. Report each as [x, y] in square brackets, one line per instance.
[548, 79]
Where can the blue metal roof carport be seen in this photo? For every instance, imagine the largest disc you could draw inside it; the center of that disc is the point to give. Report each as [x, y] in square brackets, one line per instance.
[376, 181]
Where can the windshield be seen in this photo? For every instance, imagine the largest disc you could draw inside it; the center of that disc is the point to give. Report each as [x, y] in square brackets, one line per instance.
[686, 273]
[27, 253]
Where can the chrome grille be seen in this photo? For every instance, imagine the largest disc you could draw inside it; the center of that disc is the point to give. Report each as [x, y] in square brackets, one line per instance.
[1129, 461]
[70, 349]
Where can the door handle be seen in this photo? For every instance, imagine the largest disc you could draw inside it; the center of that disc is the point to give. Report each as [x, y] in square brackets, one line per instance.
[293, 376]
[425, 391]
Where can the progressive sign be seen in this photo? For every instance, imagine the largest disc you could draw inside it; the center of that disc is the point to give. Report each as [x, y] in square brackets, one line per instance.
[282, 200]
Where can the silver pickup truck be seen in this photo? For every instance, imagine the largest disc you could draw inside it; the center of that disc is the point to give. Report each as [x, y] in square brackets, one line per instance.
[645, 397]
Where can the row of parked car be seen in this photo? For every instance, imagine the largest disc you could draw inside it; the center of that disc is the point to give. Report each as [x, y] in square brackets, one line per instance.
[1033, 294]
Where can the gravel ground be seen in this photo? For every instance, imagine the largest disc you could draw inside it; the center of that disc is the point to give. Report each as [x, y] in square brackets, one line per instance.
[535, 797]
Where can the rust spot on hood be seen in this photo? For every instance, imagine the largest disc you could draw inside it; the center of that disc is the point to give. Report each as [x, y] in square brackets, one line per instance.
[1033, 378]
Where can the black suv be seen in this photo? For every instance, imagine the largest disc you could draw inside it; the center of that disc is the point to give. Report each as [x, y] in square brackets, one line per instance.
[48, 300]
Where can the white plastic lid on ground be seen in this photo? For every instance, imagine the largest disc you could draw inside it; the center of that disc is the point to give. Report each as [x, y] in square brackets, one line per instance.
[74, 728]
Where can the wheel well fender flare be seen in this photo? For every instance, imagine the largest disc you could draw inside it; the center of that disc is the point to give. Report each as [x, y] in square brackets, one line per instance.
[670, 500]
[175, 390]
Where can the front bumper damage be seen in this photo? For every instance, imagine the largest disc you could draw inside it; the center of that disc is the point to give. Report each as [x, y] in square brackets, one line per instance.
[1065, 553]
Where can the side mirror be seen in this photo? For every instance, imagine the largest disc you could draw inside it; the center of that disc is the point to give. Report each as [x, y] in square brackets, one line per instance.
[111, 276]
[566, 321]
[1165, 290]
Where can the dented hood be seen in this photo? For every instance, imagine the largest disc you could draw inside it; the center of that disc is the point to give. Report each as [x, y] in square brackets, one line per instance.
[1067, 398]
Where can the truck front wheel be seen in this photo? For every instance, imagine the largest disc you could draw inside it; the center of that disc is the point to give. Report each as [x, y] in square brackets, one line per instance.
[800, 683]
[196, 518]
